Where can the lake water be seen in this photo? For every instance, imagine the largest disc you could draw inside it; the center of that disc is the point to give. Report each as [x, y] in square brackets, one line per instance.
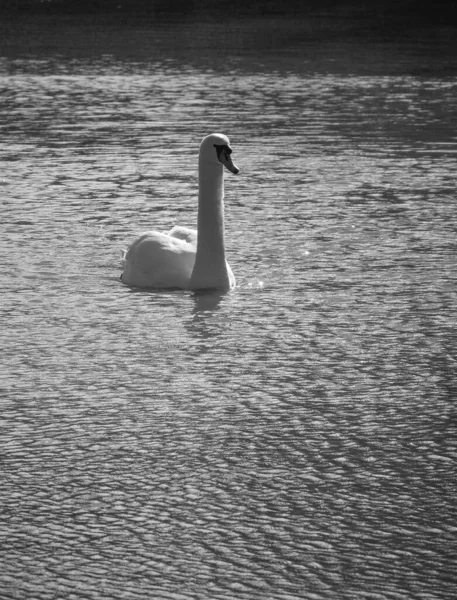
[293, 438]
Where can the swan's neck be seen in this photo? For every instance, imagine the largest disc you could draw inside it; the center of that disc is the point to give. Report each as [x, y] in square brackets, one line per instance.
[210, 269]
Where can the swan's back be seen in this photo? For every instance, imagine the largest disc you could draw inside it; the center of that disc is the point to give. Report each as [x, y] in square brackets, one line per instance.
[159, 260]
[184, 233]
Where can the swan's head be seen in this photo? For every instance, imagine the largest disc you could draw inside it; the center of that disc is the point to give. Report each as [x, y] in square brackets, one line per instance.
[215, 149]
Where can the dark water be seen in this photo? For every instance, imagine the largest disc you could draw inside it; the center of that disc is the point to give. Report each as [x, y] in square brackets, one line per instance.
[294, 438]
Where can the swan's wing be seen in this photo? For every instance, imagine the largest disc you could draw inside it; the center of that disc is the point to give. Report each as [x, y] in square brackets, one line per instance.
[184, 233]
[158, 260]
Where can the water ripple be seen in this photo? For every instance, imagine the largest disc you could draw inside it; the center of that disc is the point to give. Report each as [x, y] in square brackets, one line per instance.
[294, 438]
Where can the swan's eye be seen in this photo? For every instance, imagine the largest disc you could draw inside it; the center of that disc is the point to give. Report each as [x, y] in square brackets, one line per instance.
[222, 148]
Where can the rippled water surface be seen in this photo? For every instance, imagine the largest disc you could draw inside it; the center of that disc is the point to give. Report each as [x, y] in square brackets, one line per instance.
[294, 438]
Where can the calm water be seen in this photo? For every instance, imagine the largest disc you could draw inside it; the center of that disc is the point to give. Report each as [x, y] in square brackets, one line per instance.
[294, 438]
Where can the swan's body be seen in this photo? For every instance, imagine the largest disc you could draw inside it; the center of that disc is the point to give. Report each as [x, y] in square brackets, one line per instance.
[185, 258]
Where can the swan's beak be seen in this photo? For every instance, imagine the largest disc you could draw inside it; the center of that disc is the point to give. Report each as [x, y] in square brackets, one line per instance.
[228, 163]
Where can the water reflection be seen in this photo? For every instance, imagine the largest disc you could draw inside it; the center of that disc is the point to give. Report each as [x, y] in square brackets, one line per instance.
[207, 301]
[344, 40]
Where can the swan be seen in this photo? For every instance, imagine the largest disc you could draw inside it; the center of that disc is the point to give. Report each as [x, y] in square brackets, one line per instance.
[185, 258]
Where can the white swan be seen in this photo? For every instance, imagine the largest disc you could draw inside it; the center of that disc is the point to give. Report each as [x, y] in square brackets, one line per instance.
[185, 258]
